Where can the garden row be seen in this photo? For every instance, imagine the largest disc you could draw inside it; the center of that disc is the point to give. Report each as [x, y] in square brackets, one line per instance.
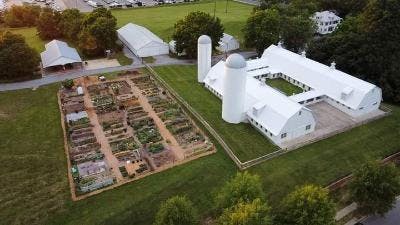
[89, 170]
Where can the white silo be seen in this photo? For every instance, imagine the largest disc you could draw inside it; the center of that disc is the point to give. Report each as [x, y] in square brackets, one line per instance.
[234, 89]
[204, 51]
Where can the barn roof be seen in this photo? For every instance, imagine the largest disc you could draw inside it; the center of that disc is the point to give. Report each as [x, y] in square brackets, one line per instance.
[59, 53]
[138, 36]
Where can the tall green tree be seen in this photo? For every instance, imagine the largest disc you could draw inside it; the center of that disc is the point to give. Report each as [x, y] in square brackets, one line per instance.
[307, 205]
[48, 24]
[17, 60]
[262, 29]
[190, 28]
[344, 7]
[297, 32]
[367, 46]
[177, 210]
[22, 16]
[374, 188]
[252, 213]
[71, 24]
[98, 32]
[244, 187]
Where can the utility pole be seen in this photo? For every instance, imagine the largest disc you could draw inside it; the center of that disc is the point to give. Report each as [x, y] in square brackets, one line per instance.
[215, 7]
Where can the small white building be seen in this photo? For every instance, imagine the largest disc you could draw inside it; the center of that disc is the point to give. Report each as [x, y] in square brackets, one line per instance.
[141, 41]
[228, 43]
[247, 98]
[326, 22]
[59, 54]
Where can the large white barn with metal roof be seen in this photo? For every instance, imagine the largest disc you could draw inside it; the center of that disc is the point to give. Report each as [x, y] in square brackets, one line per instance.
[141, 41]
[247, 98]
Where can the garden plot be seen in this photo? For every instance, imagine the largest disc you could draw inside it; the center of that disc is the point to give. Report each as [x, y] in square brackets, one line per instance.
[131, 128]
[88, 169]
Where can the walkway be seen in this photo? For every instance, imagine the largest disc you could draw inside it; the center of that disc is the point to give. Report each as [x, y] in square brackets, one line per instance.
[165, 133]
[111, 161]
[53, 78]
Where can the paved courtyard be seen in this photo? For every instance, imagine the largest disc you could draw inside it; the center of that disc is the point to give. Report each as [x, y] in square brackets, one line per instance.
[330, 121]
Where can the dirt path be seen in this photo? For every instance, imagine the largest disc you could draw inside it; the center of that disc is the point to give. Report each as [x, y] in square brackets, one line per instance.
[101, 138]
[174, 146]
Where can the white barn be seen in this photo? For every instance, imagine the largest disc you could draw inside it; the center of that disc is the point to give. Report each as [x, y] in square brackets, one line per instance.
[326, 21]
[58, 53]
[228, 43]
[141, 41]
[247, 98]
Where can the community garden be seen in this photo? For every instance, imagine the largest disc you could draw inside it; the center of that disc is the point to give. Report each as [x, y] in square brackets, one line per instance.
[114, 132]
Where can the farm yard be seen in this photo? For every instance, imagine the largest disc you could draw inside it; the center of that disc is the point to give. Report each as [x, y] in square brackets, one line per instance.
[33, 116]
[115, 132]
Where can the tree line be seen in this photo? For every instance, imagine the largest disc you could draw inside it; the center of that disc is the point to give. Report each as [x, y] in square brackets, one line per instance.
[242, 201]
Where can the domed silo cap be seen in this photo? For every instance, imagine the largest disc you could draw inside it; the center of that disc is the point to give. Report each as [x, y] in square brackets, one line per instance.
[204, 39]
[235, 61]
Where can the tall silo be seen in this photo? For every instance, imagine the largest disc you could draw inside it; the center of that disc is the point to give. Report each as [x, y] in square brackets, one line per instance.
[204, 51]
[234, 89]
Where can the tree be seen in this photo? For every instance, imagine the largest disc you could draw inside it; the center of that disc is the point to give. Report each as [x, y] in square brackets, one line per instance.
[344, 7]
[190, 28]
[262, 29]
[252, 213]
[307, 205]
[71, 23]
[177, 210]
[98, 32]
[22, 16]
[68, 84]
[17, 60]
[244, 188]
[366, 46]
[88, 44]
[48, 24]
[297, 32]
[304, 8]
[374, 188]
[266, 4]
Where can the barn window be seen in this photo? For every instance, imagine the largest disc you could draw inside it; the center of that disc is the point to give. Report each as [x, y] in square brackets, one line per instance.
[308, 127]
[283, 135]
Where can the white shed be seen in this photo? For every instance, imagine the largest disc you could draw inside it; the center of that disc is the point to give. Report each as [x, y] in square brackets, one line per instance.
[228, 43]
[141, 41]
[58, 53]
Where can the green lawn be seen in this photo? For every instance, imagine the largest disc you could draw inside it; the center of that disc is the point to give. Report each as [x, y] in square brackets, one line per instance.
[33, 184]
[122, 59]
[161, 20]
[30, 35]
[284, 86]
[243, 139]
[34, 188]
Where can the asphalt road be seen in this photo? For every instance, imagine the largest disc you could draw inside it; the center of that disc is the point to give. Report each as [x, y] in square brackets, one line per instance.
[391, 218]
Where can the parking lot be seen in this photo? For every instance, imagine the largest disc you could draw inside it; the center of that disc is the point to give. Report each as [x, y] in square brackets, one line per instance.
[89, 5]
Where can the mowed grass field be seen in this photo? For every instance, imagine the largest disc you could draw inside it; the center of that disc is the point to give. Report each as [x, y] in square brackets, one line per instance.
[161, 20]
[30, 35]
[34, 187]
